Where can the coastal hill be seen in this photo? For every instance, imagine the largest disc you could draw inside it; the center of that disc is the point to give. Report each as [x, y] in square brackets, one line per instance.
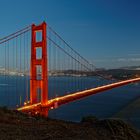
[15, 125]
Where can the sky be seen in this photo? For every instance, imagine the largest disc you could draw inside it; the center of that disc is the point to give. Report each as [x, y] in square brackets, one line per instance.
[106, 32]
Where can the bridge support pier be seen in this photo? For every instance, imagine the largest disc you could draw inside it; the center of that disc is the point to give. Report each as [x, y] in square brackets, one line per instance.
[44, 112]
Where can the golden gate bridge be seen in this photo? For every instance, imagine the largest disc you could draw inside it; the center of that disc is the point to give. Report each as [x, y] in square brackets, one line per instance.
[33, 59]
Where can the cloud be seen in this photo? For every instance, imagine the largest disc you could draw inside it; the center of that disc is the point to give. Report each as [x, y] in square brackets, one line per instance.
[128, 59]
[118, 60]
[134, 54]
[121, 59]
[135, 59]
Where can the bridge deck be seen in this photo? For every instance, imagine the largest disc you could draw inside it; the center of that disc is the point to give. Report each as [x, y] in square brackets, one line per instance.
[75, 96]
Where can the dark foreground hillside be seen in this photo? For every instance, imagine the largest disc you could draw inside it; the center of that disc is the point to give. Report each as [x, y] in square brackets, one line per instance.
[17, 126]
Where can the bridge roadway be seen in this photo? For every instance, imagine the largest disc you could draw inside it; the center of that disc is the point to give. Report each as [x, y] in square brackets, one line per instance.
[56, 102]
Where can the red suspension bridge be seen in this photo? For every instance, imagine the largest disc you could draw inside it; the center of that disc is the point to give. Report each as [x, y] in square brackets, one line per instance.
[39, 71]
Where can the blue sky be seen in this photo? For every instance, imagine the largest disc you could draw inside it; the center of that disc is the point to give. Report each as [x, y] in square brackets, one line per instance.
[106, 32]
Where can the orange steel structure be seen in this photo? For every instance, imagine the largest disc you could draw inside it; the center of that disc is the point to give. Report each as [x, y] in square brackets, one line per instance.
[39, 84]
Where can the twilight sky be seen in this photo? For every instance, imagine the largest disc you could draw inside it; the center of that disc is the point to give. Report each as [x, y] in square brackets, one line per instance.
[107, 32]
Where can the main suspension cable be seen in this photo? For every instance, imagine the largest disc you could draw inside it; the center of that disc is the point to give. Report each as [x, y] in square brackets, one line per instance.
[13, 34]
[90, 64]
[77, 60]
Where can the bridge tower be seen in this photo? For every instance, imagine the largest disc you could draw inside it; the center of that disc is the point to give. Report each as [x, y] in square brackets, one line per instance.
[39, 84]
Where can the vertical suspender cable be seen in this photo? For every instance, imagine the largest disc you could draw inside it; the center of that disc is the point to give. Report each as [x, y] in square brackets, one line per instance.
[24, 66]
[27, 65]
[20, 68]
[5, 70]
[17, 70]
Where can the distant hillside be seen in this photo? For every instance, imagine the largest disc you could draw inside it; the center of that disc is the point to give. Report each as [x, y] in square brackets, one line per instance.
[131, 67]
[123, 73]
[17, 126]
